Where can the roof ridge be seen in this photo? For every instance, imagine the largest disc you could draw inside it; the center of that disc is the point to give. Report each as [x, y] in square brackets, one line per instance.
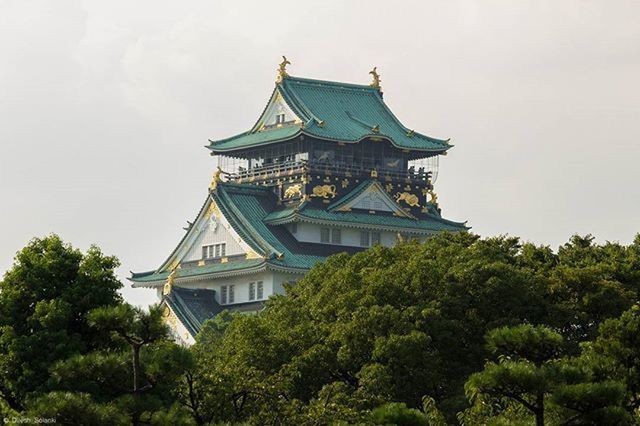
[330, 83]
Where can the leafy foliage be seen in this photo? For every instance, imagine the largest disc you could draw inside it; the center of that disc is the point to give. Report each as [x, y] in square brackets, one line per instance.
[44, 299]
[398, 324]
[387, 336]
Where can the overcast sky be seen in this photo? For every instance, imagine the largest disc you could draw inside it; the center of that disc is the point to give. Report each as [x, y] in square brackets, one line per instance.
[105, 108]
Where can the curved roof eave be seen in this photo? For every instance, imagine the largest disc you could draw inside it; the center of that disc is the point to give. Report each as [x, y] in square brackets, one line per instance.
[301, 131]
[297, 216]
[198, 277]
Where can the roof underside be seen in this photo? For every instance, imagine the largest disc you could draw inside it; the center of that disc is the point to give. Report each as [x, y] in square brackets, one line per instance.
[336, 112]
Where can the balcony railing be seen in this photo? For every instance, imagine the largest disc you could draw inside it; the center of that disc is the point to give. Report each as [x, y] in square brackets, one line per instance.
[336, 168]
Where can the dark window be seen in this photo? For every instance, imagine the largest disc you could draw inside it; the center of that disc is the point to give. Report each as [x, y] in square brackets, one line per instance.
[260, 290]
[325, 235]
[336, 238]
[252, 291]
[375, 238]
[364, 239]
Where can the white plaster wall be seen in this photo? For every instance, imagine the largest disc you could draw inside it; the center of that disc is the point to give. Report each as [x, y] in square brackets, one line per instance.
[278, 106]
[310, 233]
[209, 235]
[241, 291]
[279, 278]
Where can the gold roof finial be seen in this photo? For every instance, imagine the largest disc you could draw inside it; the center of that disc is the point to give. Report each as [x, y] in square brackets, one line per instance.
[376, 78]
[282, 69]
[167, 287]
[216, 179]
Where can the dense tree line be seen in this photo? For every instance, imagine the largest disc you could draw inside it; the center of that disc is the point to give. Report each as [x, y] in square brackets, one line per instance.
[456, 330]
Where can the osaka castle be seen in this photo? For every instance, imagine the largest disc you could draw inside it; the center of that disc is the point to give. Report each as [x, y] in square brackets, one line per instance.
[327, 168]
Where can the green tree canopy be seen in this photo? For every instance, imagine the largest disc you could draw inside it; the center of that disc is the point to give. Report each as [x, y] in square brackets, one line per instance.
[401, 323]
[44, 299]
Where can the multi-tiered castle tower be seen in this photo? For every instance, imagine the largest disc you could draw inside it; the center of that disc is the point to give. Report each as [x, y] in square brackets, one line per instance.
[327, 168]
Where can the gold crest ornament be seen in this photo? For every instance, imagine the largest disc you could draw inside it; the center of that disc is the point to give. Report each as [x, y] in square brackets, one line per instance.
[376, 79]
[433, 197]
[169, 284]
[282, 70]
[293, 191]
[324, 191]
[216, 179]
[410, 199]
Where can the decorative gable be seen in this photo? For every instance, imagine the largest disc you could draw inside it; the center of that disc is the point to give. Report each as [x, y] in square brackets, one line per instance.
[371, 197]
[276, 114]
[211, 229]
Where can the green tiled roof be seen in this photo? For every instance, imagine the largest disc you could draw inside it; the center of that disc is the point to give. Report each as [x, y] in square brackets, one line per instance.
[364, 220]
[193, 306]
[245, 207]
[210, 269]
[254, 214]
[335, 111]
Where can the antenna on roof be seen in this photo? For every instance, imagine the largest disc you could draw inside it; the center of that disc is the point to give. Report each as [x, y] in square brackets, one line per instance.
[282, 69]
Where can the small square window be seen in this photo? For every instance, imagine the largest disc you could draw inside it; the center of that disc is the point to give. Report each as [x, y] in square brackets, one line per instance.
[325, 235]
[260, 290]
[223, 295]
[364, 239]
[252, 291]
[375, 238]
[214, 251]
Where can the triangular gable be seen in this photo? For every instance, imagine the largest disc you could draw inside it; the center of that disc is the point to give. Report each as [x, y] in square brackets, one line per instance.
[272, 115]
[210, 227]
[372, 197]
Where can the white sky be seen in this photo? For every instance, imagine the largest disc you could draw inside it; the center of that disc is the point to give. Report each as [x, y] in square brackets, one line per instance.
[105, 108]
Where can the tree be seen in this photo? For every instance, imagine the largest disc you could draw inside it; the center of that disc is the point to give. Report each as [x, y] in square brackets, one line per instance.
[615, 354]
[44, 299]
[139, 329]
[531, 376]
[401, 323]
[525, 373]
[137, 376]
[394, 413]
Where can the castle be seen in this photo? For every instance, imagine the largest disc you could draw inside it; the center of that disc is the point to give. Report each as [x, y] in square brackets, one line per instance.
[327, 168]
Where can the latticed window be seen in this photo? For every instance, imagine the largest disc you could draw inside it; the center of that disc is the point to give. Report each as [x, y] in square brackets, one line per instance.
[375, 238]
[252, 291]
[364, 239]
[260, 290]
[325, 235]
[214, 251]
[231, 293]
[223, 295]
[336, 237]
